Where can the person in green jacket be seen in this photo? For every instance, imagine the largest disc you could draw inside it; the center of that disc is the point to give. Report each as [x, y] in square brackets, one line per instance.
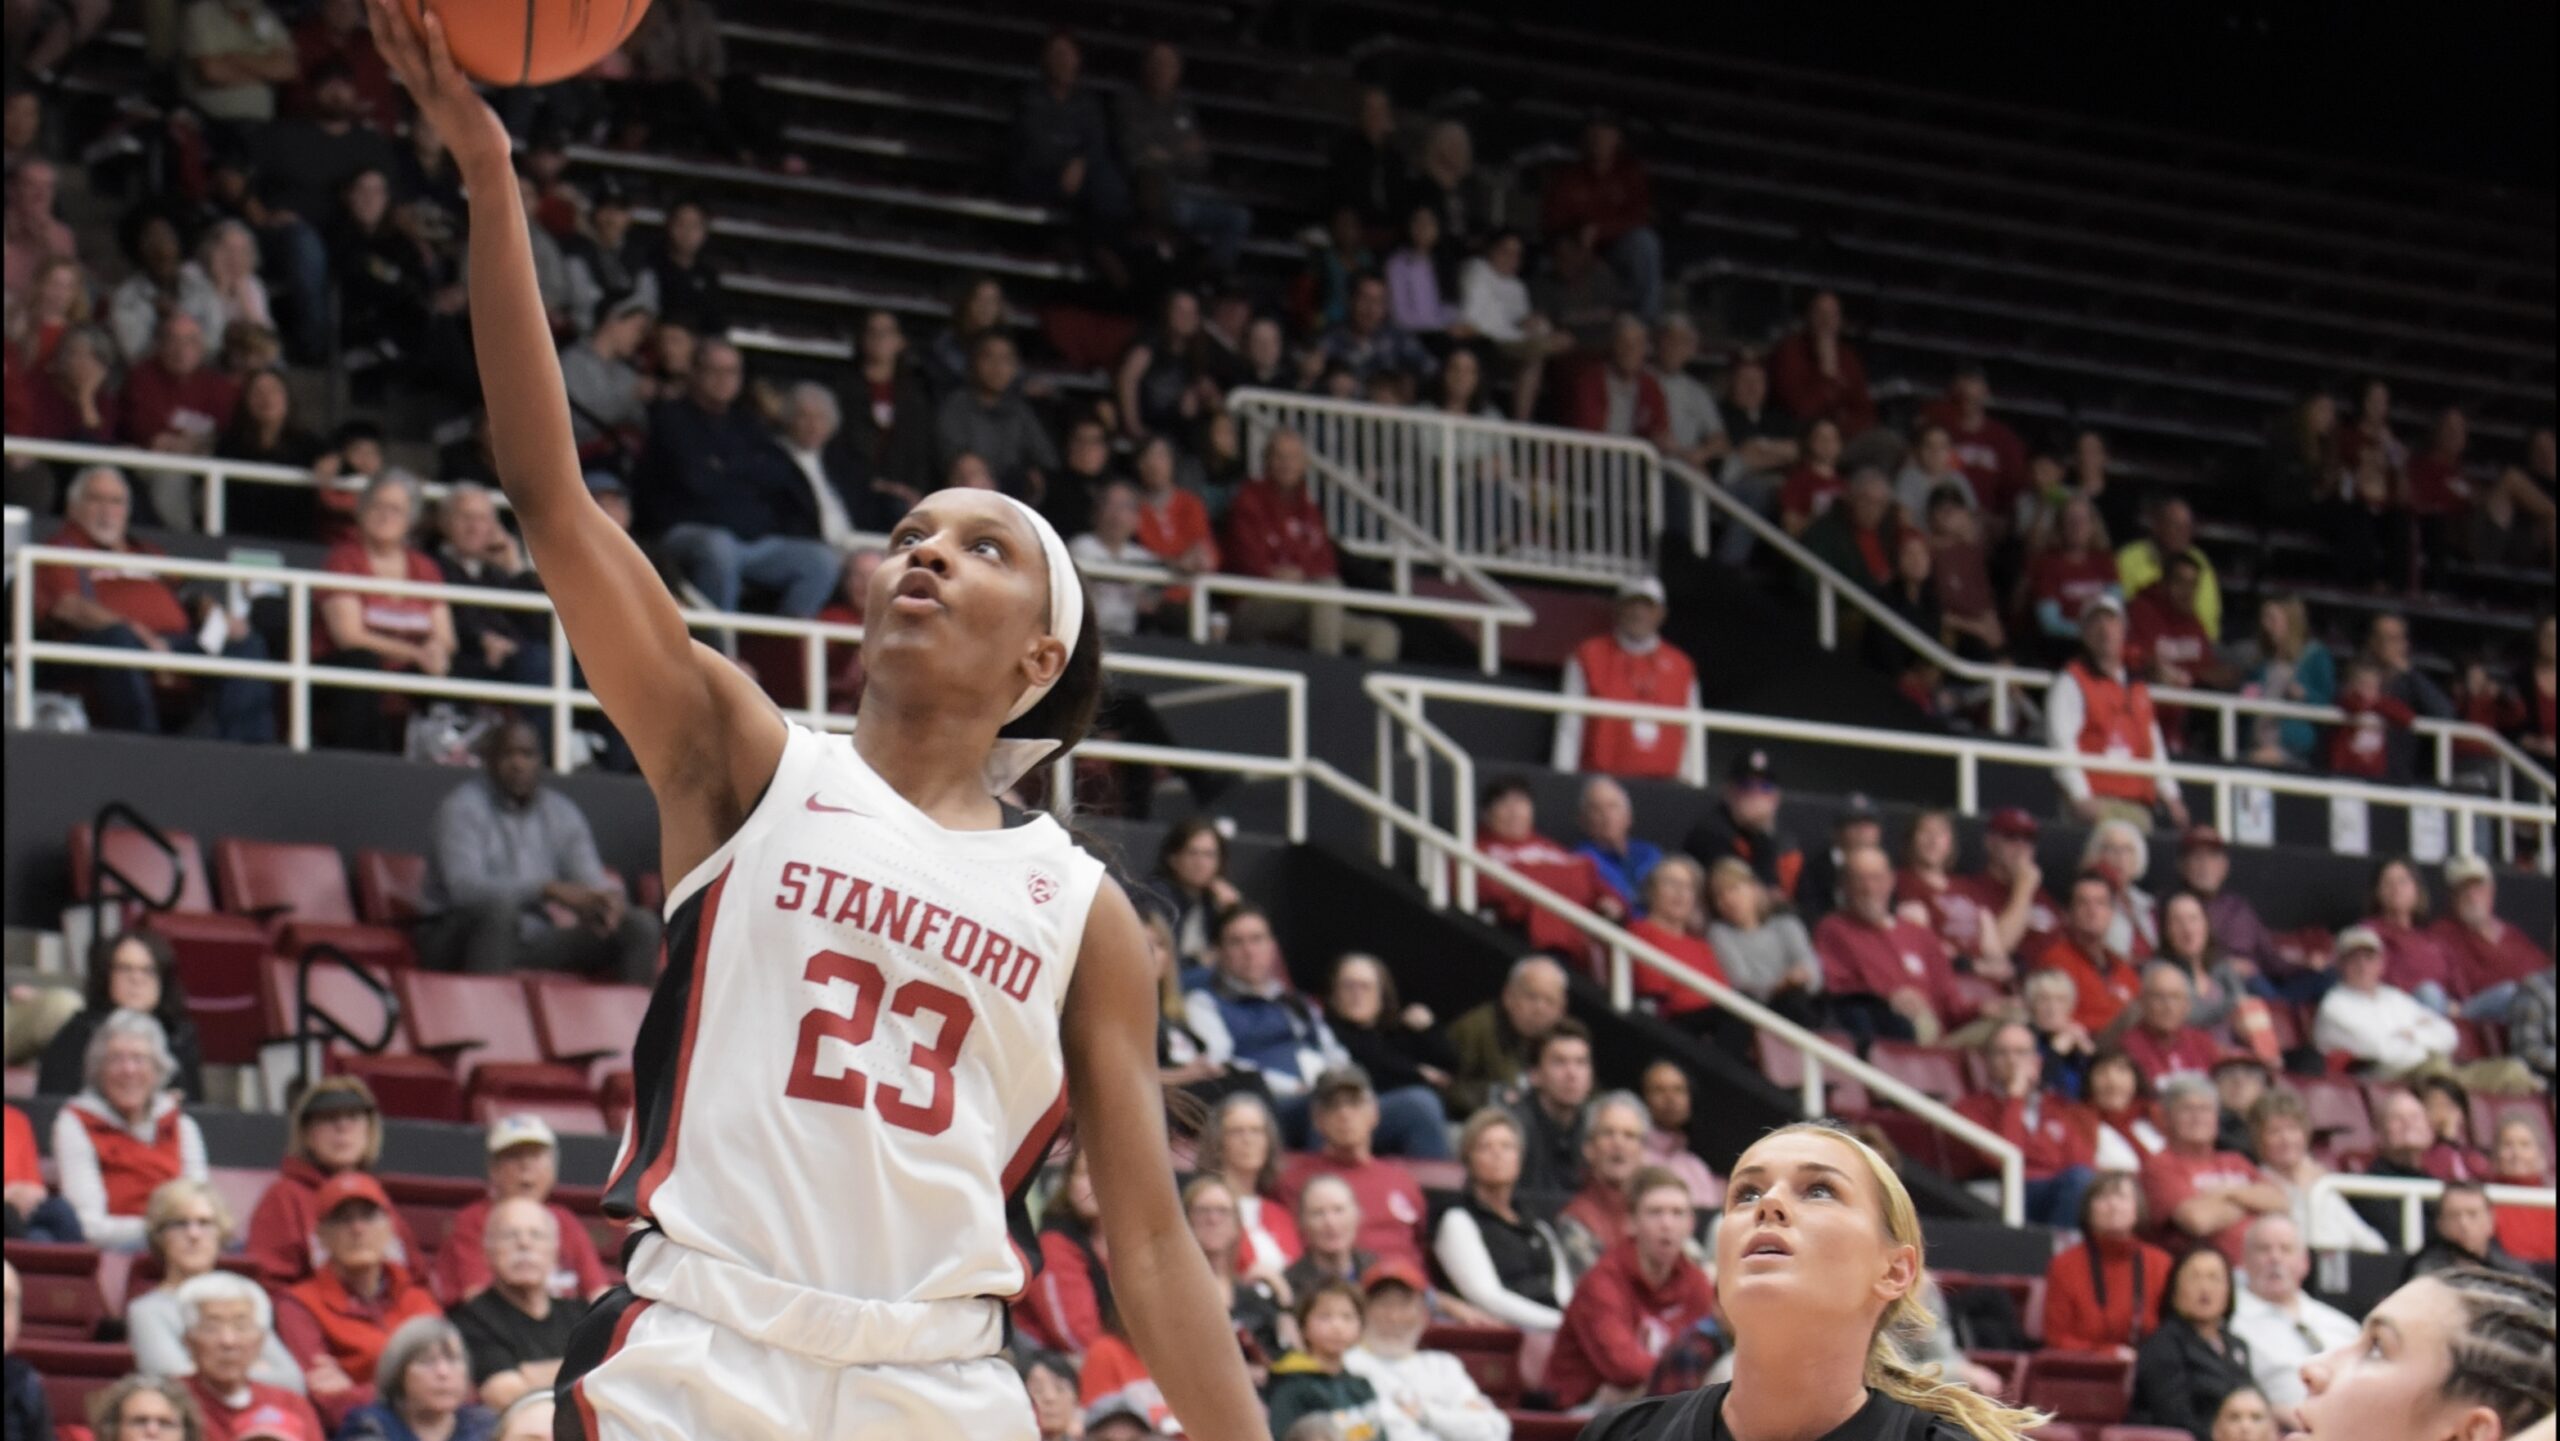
[1311, 1381]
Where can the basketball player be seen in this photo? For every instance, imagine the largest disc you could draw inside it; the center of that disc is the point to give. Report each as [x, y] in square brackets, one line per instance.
[881, 982]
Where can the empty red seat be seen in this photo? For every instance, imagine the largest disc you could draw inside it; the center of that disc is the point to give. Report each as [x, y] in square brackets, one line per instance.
[1783, 1064]
[1934, 1071]
[430, 1202]
[241, 1188]
[404, 1082]
[391, 887]
[2009, 1366]
[73, 1370]
[2077, 1386]
[588, 1025]
[2337, 1111]
[482, 1026]
[299, 892]
[2285, 1024]
[1491, 1355]
[128, 852]
[2058, 1431]
[58, 1284]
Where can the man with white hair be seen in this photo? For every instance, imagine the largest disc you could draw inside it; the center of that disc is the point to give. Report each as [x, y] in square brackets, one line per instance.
[516, 1331]
[810, 420]
[1695, 431]
[1494, 1041]
[138, 610]
[475, 549]
[2282, 1326]
[524, 1162]
[227, 1317]
[2193, 1188]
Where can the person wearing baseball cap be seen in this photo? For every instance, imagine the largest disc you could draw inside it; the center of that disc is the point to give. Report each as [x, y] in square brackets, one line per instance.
[334, 1128]
[524, 1162]
[337, 1321]
[1744, 825]
[2491, 959]
[2010, 886]
[2099, 708]
[2391, 1034]
[1631, 662]
[1858, 826]
[2204, 870]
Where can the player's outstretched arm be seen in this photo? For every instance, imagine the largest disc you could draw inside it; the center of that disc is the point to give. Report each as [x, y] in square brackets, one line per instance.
[698, 727]
[1165, 1292]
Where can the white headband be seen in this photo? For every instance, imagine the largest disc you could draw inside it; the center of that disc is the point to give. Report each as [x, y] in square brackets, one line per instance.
[1011, 760]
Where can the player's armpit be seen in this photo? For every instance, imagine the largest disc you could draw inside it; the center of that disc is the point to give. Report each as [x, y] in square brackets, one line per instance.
[1166, 1295]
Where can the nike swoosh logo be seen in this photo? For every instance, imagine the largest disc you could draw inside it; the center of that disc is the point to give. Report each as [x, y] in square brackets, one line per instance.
[823, 808]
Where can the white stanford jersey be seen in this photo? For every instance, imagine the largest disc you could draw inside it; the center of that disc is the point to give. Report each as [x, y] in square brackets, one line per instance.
[851, 1066]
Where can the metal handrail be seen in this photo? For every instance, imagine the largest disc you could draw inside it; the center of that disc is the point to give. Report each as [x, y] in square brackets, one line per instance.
[2412, 1193]
[216, 473]
[1631, 949]
[328, 1027]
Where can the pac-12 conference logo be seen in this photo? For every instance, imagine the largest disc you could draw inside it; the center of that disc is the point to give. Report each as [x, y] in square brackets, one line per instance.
[1042, 885]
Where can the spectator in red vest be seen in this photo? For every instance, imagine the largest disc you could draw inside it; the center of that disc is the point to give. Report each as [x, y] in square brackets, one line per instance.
[1886, 976]
[2060, 1143]
[2161, 1041]
[334, 1128]
[2490, 958]
[2195, 1190]
[524, 1162]
[1275, 531]
[1622, 397]
[337, 1321]
[1817, 374]
[138, 610]
[1632, 662]
[2104, 977]
[35, 1213]
[1643, 1294]
[227, 1323]
[1613, 1152]
[2098, 708]
[125, 1133]
[1814, 485]
[1986, 449]
[2373, 742]
[1744, 825]
[1507, 831]
[1605, 196]
[2104, 1294]
[2069, 565]
[176, 404]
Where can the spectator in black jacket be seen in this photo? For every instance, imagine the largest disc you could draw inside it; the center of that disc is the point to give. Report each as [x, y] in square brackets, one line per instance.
[1744, 825]
[688, 279]
[2466, 1234]
[2187, 1366]
[1061, 144]
[1397, 1045]
[1366, 172]
[491, 643]
[728, 501]
[888, 423]
[135, 971]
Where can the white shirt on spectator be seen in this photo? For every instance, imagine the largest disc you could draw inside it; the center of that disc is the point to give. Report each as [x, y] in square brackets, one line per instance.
[2329, 1223]
[1117, 604]
[834, 525]
[1429, 1396]
[2385, 1026]
[2278, 1345]
[1497, 305]
[1694, 416]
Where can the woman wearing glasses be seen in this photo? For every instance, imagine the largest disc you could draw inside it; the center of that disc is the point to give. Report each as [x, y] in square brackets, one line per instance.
[185, 1225]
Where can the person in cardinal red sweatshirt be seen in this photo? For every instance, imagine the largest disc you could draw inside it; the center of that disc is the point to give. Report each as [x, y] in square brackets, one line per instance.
[2363, 745]
[2060, 1142]
[1644, 1294]
[1275, 531]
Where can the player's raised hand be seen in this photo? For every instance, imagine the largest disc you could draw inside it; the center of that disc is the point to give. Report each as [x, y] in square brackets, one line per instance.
[416, 51]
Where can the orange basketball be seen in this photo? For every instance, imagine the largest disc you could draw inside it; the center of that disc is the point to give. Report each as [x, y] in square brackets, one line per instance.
[533, 42]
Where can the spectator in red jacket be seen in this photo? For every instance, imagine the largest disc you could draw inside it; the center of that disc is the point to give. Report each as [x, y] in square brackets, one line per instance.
[1990, 453]
[1507, 831]
[1644, 1294]
[337, 1321]
[2010, 886]
[2490, 958]
[1070, 1299]
[1632, 662]
[2161, 1041]
[335, 1128]
[1814, 484]
[2371, 743]
[1346, 1121]
[2165, 640]
[2059, 1141]
[1961, 915]
[1622, 397]
[524, 1163]
[1275, 531]
[2195, 1190]
[1675, 918]
[2103, 1295]
[2105, 979]
[1886, 976]
[137, 610]
[177, 404]
[125, 1133]
[1606, 197]
[1817, 374]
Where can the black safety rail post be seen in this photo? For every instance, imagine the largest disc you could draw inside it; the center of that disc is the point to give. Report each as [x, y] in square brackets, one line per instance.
[106, 870]
[314, 1024]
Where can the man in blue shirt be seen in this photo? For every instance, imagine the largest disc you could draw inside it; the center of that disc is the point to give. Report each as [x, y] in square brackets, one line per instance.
[1624, 859]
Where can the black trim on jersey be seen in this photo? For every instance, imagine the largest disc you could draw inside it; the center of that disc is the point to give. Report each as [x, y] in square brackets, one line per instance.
[590, 1343]
[657, 1056]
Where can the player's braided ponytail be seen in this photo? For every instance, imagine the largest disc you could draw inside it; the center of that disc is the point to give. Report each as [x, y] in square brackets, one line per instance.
[2502, 1354]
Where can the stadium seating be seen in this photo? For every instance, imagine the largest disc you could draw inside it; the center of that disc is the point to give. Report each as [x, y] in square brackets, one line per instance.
[73, 1369]
[390, 887]
[483, 1027]
[404, 1082]
[60, 1295]
[2075, 1386]
[299, 891]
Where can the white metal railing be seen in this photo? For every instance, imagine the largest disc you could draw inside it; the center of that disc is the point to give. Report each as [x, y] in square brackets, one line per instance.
[1401, 700]
[1494, 609]
[299, 672]
[1821, 1057]
[2412, 1194]
[1531, 500]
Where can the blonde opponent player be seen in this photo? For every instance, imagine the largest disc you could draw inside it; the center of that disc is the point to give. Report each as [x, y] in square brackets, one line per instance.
[882, 983]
